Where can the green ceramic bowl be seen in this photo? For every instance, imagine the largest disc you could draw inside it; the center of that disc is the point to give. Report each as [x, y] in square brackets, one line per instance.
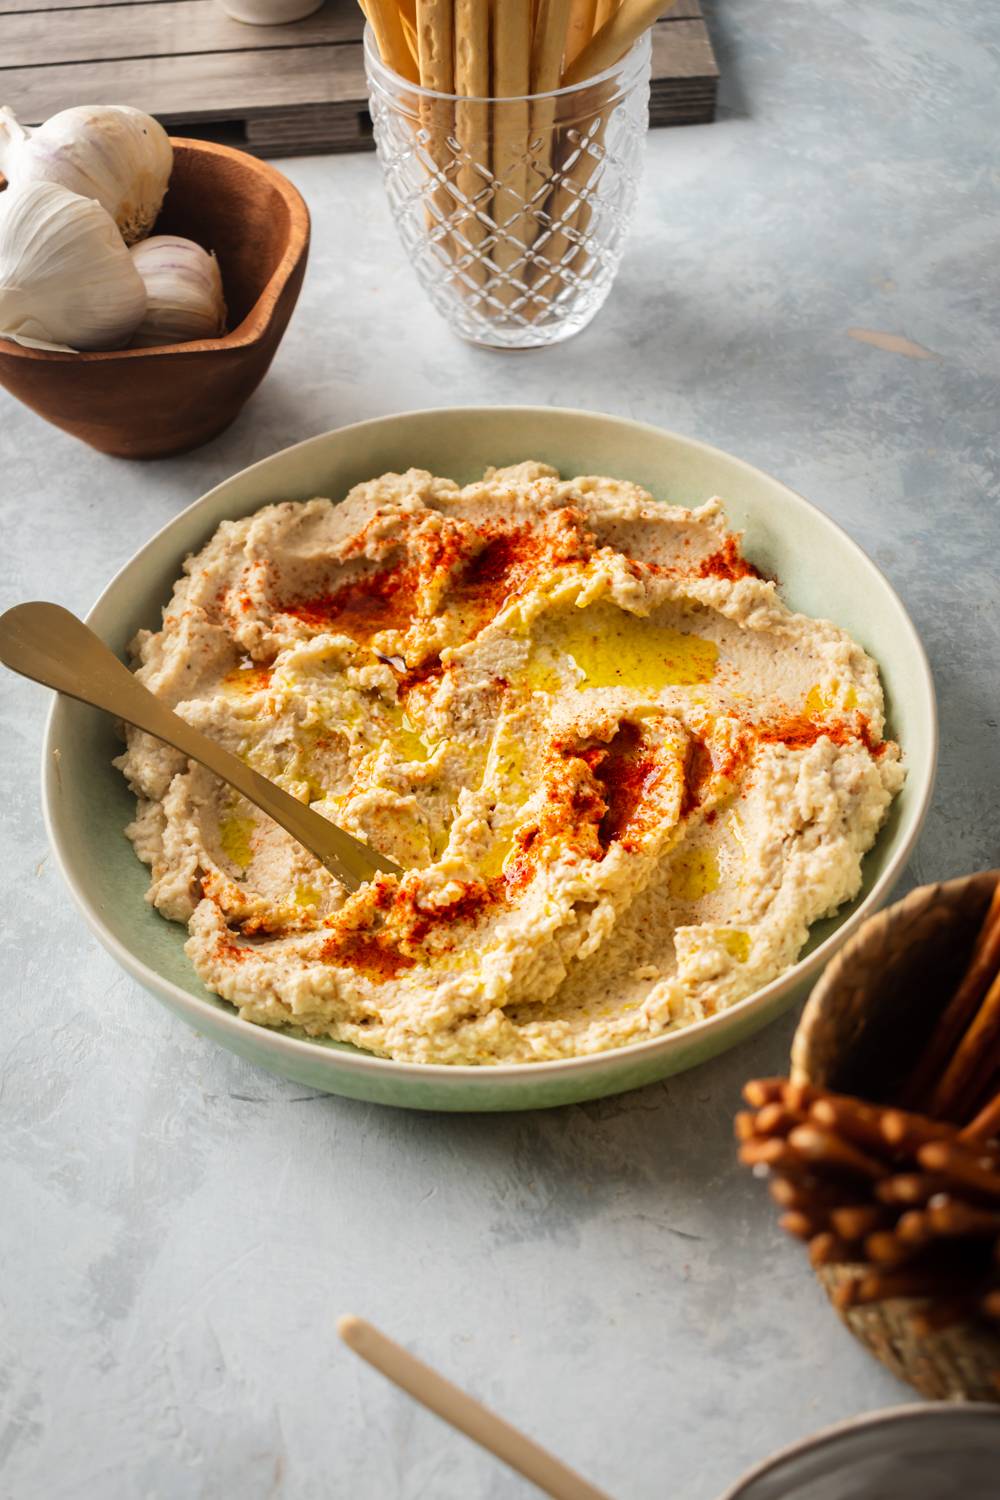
[822, 572]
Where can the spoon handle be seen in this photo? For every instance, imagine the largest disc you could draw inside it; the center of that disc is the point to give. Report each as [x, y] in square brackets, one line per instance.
[48, 644]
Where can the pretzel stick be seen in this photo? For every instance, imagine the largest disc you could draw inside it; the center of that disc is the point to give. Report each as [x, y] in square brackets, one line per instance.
[827, 1250]
[776, 1119]
[776, 1154]
[615, 37]
[801, 1225]
[804, 1193]
[908, 1131]
[760, 1091]
[822, 1148]
[961, 1008]
[472, 80]
[956, 1219]
[511, 80]
[976, 1054]
[991, 1304]
[910, 1188]
[985, 1125]
[855, 1221]
[960, 1165]
[882, 1286]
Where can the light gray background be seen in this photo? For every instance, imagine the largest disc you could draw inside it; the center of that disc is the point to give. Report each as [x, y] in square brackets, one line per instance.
[180, 1231]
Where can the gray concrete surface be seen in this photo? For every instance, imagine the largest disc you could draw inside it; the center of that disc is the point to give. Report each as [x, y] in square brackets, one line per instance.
[179, 1231]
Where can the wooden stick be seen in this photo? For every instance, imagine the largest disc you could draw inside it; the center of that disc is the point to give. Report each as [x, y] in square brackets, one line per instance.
[615, 37]
[986, 1124]
[976, 1051]
[458, 1408]
[958, 1013]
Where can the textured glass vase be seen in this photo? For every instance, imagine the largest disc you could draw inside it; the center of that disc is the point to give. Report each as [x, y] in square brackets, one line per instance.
[513, 212]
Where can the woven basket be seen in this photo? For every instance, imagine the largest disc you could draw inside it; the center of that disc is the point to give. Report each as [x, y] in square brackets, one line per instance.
[861, 1032]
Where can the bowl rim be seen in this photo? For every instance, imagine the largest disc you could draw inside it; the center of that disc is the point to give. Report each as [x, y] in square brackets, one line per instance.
[280, 1044]
[885, 1417]
[253, 327]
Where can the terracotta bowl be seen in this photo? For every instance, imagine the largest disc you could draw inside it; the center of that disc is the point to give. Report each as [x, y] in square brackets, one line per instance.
[861, 1033]
[146, 403]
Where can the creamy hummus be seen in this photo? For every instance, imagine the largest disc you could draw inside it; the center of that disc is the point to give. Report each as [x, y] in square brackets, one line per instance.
[622, 776]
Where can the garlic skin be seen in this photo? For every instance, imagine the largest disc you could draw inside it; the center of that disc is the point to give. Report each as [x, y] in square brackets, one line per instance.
[110, 152]
[66, 279]
[183, 289]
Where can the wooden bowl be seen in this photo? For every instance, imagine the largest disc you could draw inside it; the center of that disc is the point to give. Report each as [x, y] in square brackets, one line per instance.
[146, 403]
[861, 1032]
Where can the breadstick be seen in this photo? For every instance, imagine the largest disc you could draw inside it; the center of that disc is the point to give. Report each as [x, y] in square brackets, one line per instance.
[605, 10]
[582, 25]
[976, 1053]
[986, 1124]
[385, 22]
[961, 1008]
[615, 38]
[511, 80]
[911, 1187]
[472, 80]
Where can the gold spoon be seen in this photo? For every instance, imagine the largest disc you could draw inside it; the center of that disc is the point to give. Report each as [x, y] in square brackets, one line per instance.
[48, 644]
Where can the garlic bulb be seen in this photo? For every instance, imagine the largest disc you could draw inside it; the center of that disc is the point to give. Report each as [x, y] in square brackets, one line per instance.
[66, 279]
[110, 152]
[183, 290]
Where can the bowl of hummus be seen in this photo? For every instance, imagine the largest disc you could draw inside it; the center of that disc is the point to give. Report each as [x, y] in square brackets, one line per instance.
[646, 732]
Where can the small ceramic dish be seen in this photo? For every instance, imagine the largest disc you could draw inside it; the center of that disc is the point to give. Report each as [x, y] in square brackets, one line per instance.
[861, 1033]
[822, 572]
[146, 403]
[905, 1453]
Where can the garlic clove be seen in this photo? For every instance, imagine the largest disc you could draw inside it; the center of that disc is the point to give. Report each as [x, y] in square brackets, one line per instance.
[111, 152]
[66, 277]
[183, 291]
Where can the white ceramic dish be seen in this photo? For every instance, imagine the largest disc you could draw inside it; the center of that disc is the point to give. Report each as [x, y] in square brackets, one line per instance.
[822, 572]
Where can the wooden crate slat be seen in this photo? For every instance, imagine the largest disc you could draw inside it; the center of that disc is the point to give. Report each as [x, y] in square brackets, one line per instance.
[274, 90]
[207, 87]
[176, 29]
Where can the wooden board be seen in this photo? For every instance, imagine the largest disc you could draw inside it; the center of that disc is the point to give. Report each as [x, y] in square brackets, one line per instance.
[273, 90]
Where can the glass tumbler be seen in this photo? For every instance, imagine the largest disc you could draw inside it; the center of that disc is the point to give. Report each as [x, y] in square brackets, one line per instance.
[514, 212]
